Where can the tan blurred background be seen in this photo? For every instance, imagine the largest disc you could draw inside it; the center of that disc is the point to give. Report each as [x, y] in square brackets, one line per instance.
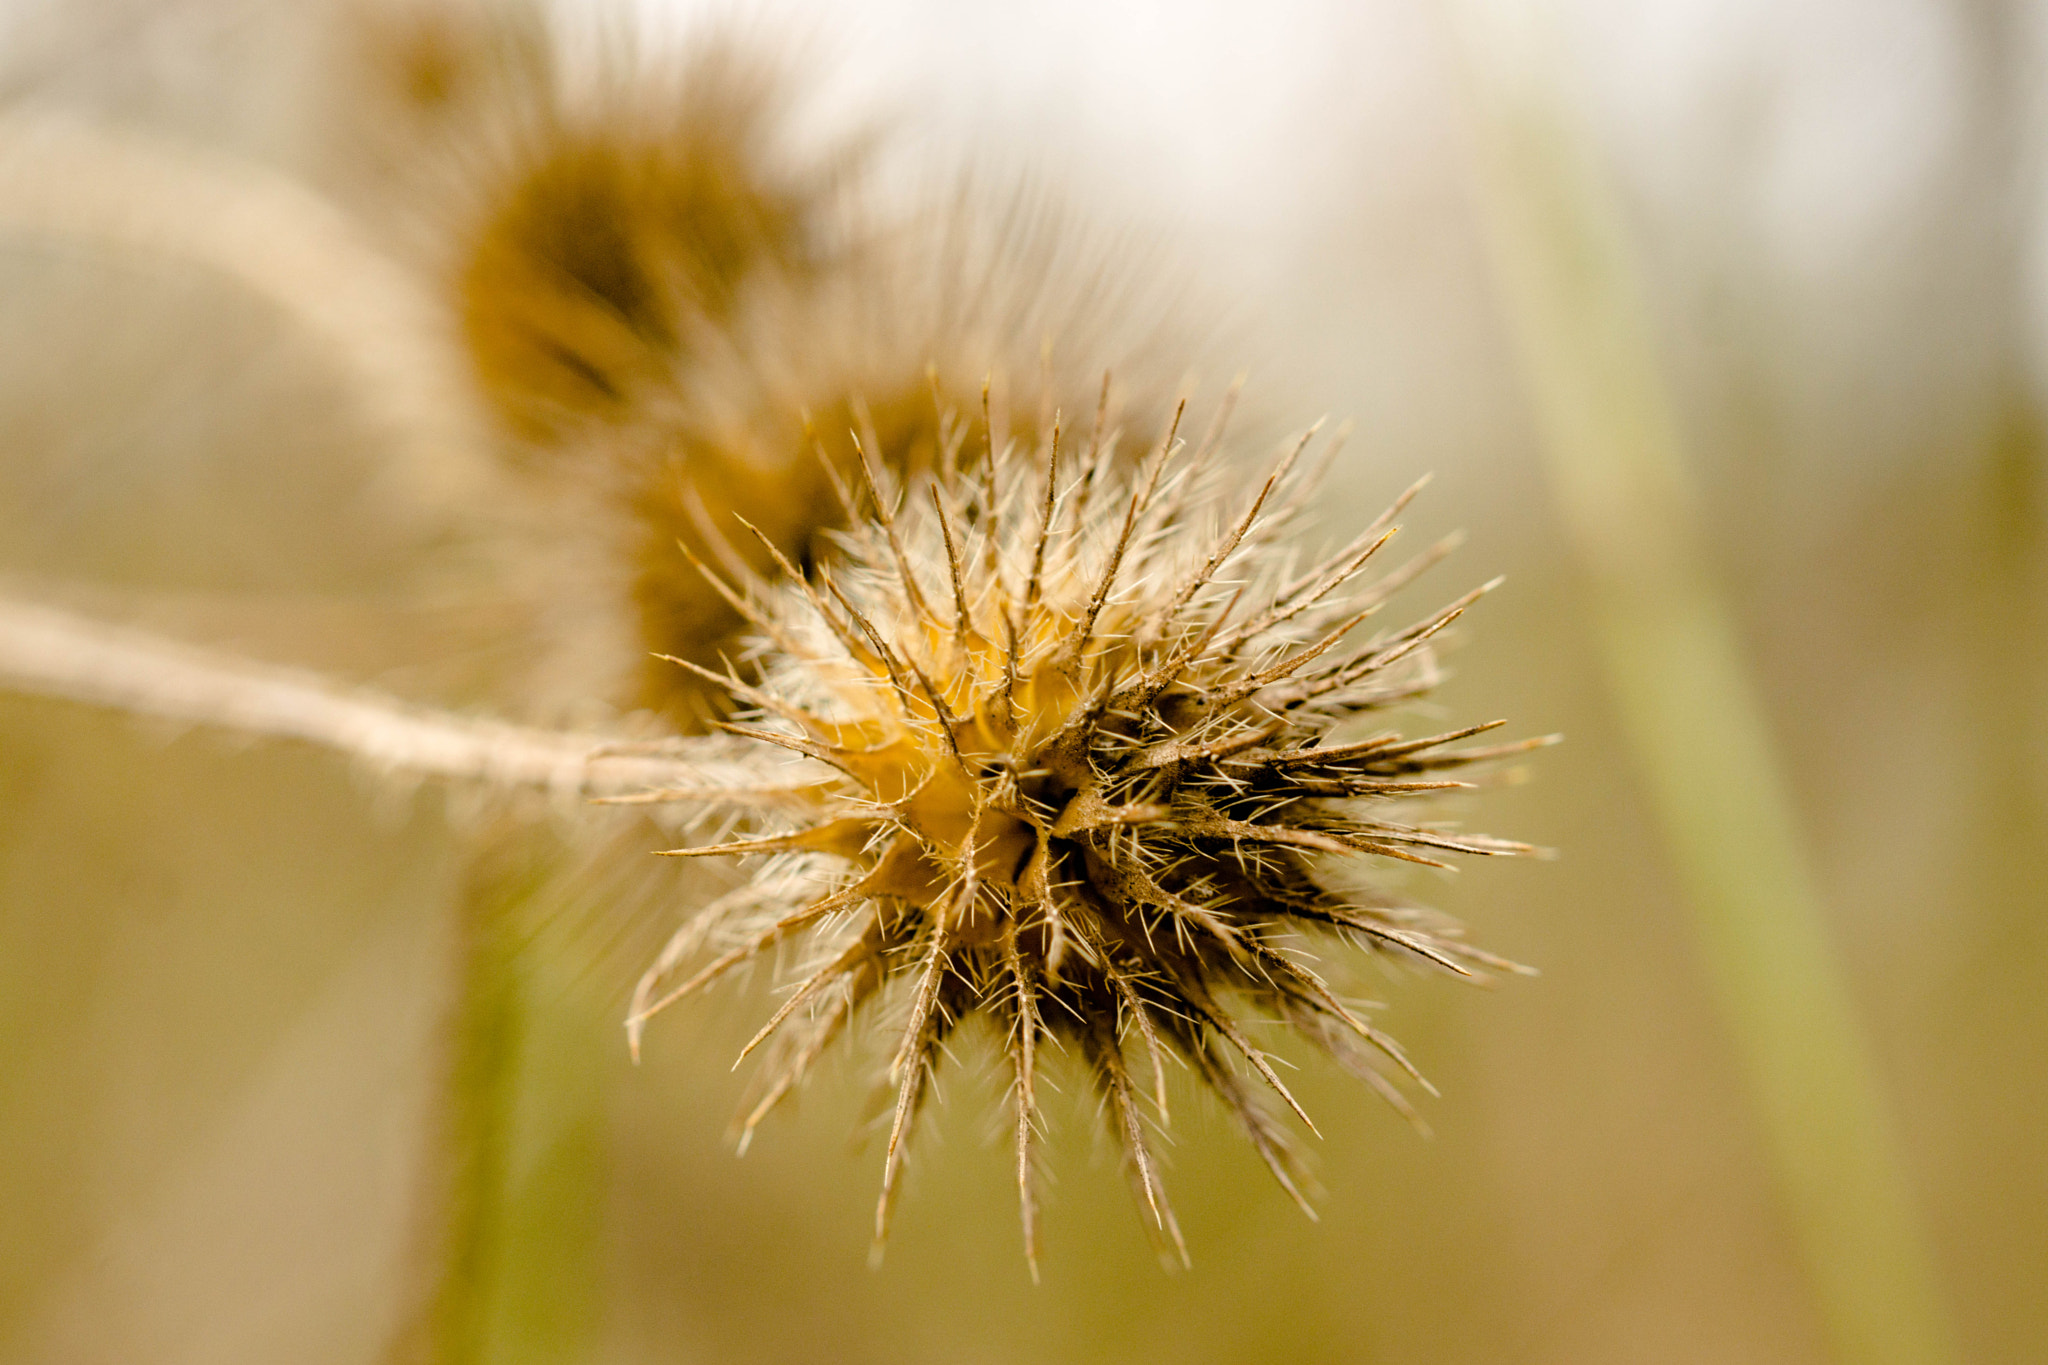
[225, 970]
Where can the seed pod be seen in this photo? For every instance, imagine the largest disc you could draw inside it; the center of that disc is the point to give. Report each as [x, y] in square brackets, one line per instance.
[1040, 742]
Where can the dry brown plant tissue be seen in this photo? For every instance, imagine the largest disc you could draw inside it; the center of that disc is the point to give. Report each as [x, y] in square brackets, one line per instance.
[1037, 708]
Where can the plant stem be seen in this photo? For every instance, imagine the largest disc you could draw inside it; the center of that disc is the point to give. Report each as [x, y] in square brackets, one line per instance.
[524, 1190]
[1687, 704]
[51, 653]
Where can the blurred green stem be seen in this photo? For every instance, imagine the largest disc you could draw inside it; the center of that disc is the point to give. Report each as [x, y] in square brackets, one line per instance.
[1675, 662]
[520, 1237]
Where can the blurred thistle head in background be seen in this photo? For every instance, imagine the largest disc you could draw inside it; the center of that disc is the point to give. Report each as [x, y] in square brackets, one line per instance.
[677, 305]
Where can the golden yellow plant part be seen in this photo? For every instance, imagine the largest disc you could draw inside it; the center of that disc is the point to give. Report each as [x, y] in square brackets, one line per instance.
[1042, 742]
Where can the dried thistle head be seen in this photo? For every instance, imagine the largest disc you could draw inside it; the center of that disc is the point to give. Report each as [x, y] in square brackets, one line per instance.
[614, 234]
[879, 347]
[674, 312]
[1056, 753]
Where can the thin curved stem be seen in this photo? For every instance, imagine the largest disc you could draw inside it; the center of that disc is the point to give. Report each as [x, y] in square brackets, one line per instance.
[51, 653]
[142, 192]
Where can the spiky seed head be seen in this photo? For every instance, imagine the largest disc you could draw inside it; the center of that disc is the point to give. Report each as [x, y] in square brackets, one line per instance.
[1060, 751]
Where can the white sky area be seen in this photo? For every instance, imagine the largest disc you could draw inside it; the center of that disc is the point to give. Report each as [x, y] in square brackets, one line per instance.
[1813, 156]
[1843, 109]
[1241, 116]
[1816, 148]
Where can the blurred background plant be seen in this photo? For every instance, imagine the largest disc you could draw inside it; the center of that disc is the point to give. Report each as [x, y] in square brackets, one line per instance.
[226, 977]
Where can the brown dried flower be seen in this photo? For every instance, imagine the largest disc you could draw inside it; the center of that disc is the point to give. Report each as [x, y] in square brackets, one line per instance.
[1058, 755]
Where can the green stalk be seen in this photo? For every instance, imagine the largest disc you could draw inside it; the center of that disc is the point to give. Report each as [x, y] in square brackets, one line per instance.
[1674, 660]
[521, 1242]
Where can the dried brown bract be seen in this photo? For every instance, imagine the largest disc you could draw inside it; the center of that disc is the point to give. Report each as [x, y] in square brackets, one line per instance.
[1056, 748]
